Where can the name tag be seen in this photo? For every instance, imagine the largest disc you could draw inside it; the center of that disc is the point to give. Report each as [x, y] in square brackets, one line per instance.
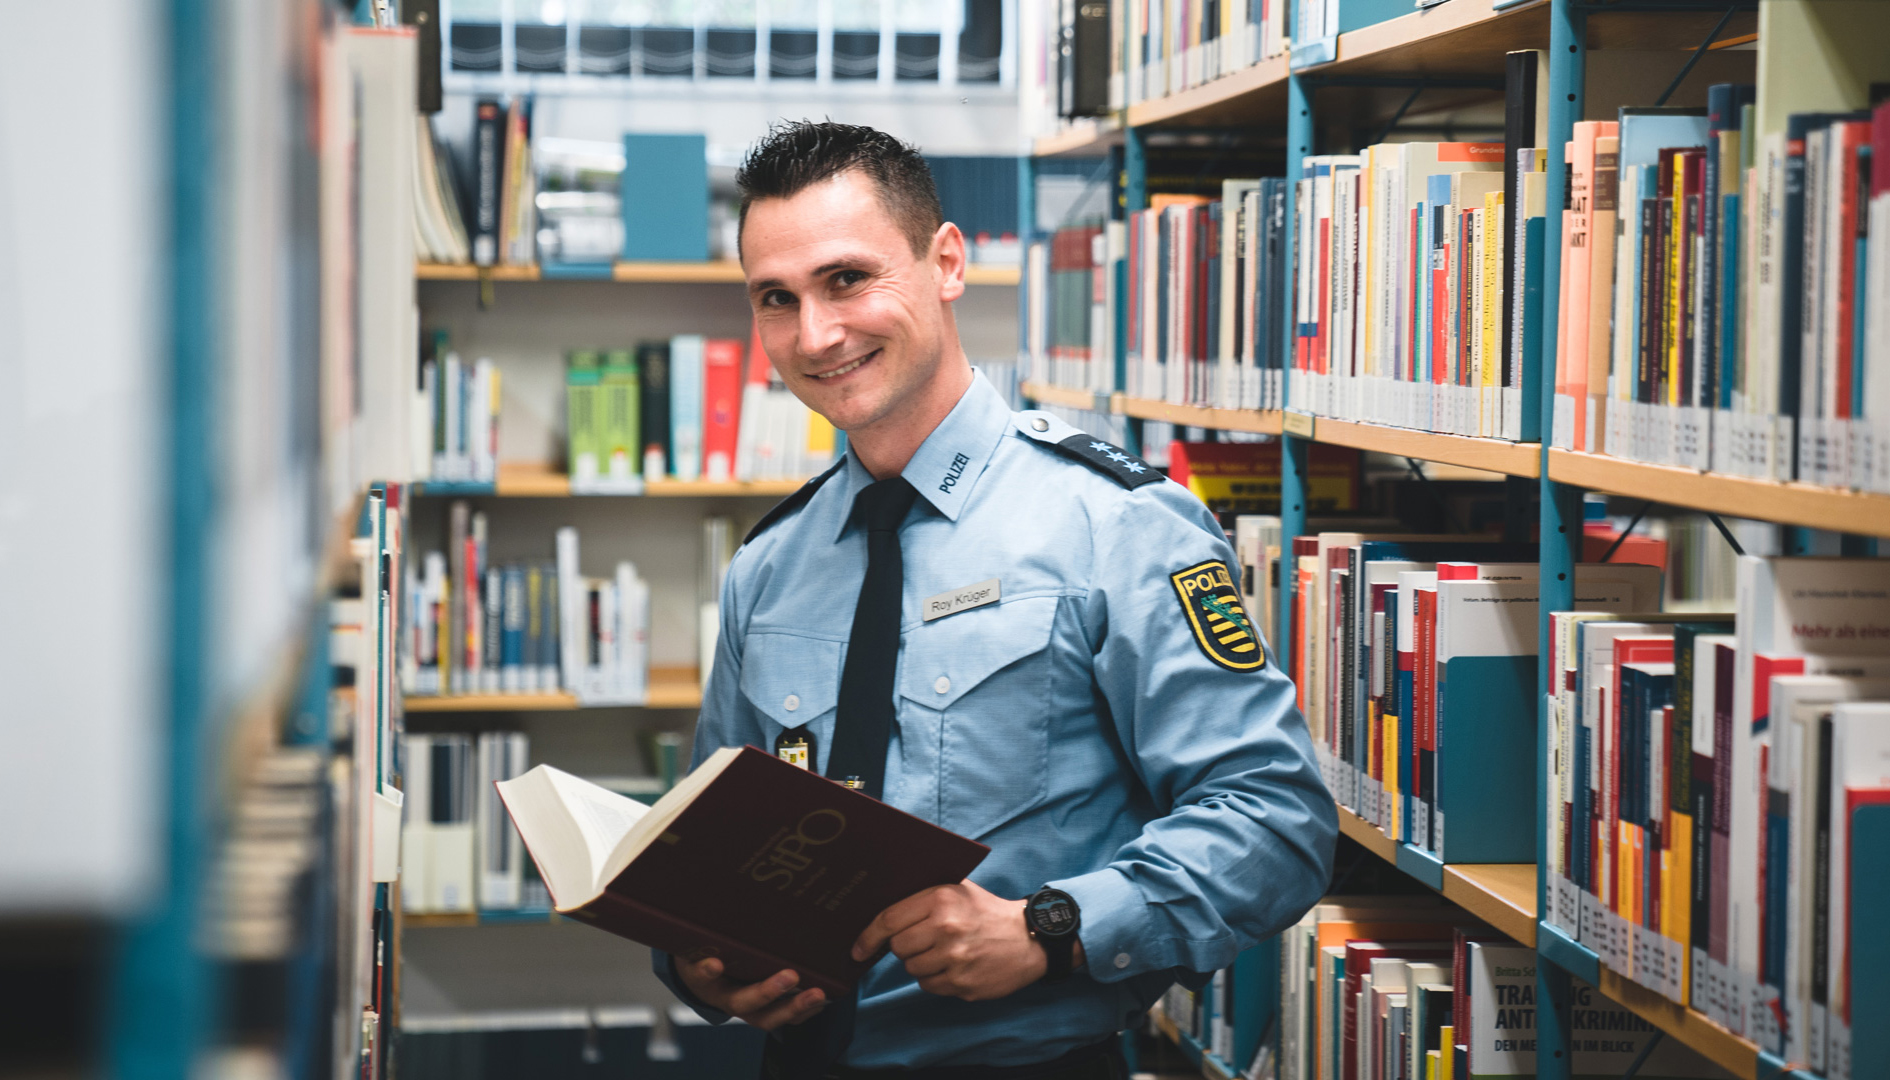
[954, 601]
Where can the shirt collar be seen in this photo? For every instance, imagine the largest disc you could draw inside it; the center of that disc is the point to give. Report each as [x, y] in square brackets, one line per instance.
[948, 464]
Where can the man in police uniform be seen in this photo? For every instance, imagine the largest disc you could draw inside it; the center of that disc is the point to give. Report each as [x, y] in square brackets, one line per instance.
[1005, 626]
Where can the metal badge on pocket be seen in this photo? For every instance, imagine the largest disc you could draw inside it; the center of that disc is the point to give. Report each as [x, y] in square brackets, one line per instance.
[796, 747]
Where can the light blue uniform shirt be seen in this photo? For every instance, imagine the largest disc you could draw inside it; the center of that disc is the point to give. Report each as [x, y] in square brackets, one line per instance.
[1077, 726]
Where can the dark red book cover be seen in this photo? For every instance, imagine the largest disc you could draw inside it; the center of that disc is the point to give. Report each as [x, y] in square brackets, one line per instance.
[721, 406]
[772, 866]
[1358, 958]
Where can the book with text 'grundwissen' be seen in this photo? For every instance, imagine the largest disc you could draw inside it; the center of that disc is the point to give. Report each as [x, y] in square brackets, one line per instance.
[748, 858]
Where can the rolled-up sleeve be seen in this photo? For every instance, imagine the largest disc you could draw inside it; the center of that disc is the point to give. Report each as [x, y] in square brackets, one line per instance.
[1244, 846]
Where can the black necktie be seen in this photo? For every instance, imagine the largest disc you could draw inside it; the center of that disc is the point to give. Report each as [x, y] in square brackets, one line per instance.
[863, 721]
[862, 730]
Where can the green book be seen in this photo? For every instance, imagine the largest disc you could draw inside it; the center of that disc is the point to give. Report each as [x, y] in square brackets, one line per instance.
[619, 418]
[582, 441]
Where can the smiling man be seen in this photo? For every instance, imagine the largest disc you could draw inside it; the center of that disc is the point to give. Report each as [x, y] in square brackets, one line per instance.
[1008, 627]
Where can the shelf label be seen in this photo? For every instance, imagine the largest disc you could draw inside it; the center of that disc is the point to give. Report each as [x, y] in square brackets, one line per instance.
[1297, 423]
[1311, 53]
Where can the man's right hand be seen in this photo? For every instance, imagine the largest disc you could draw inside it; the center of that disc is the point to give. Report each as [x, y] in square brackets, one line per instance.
[768, 1004]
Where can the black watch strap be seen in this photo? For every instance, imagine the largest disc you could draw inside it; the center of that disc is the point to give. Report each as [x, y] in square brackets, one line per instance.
[1052, 918]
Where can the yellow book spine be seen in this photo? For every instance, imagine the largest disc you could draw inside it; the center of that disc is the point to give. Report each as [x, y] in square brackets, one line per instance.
[1446, 1056]
[1492, 305]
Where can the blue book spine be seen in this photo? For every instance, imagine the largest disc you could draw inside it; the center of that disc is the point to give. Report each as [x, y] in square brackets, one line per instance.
[1730, 254]
[1529, 371]
[514, 620]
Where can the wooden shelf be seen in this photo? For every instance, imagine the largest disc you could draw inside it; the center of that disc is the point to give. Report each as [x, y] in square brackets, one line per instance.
[1501, 894]
[670, 688]
[452, 703]
[1367, 836]
[1240, 95]
[1068, 398]
[1491, 455]
[706, 488]
[1706, 1038]
[469, 272]
[528, 480]
[1791, 504]
[1083, 138]
[717, 272]
[1263, 423]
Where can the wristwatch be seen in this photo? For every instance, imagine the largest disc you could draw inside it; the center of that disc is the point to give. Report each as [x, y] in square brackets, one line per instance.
[1051, 916]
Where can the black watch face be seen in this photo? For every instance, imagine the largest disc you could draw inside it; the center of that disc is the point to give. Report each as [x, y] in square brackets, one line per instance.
[1052, 913]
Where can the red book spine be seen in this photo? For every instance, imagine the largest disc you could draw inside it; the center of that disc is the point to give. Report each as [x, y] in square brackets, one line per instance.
[1849, 195]
[721, 406]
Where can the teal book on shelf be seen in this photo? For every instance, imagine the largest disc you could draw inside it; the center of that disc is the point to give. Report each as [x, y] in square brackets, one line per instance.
[665, 198]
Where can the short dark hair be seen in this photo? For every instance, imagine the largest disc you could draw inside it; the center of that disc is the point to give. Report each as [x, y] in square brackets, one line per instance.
[796, 155]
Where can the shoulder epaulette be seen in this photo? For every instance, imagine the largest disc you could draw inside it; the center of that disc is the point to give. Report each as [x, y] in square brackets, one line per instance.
[1109, 459]
[793, 502]
[1099, 454]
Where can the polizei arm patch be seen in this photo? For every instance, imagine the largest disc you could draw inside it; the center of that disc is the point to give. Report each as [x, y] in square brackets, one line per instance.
[1220, 625]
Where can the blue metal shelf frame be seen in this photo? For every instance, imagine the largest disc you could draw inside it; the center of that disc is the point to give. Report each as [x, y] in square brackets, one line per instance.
[164, 994]
[1561, 520]
[1293, 451]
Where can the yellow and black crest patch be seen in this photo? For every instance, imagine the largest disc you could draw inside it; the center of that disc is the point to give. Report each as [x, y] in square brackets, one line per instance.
[1221, 626]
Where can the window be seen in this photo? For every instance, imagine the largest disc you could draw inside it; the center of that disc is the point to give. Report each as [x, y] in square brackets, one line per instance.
[911, 44]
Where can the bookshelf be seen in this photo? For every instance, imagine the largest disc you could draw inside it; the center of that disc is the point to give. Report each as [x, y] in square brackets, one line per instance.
[1211, 1066]
[1454, 53]
[1091, 137]
[530, 480]
[670, 688]
[1501, 894]
[1797, 504]
[653, 273]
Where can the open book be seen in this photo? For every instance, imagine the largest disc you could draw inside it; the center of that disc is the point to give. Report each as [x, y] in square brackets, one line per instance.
[748, 858]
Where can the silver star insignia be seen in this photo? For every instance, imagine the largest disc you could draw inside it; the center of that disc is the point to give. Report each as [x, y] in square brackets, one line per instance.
[1135, 467]
[1118, 456]
[1100, 446]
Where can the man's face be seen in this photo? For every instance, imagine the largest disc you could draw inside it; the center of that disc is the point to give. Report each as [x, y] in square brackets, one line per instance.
[853, 321]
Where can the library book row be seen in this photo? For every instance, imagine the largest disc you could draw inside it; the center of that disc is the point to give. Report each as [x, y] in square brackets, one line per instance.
[471, 626]
[684, 409]
[574, 207]
[1716, 305]
[1702, 768]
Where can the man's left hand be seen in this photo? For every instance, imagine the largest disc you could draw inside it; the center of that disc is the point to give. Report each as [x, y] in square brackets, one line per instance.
[960, 941]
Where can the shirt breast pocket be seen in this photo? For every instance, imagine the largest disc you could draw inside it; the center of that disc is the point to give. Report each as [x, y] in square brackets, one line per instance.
[793, 681]
[986, 673]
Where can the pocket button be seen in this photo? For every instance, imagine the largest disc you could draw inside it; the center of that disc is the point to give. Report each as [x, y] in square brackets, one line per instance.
[943, 685]
[792, 703]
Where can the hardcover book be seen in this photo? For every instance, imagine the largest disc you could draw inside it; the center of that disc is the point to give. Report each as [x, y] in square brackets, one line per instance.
[749, 858]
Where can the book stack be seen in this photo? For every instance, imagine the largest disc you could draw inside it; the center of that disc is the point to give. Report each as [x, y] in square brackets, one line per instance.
[1401, 987]
[1167, 46]
[604, 631]
[1702, 772]
[685, 409]
[1068, 321]
[460, 852]
[497, 222]
[439, 224]
[1202, 310]
[1731, 320]
[1414, 656]
[1400, 293]
[1205, 1015]
[462, 414]
[477, 627]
